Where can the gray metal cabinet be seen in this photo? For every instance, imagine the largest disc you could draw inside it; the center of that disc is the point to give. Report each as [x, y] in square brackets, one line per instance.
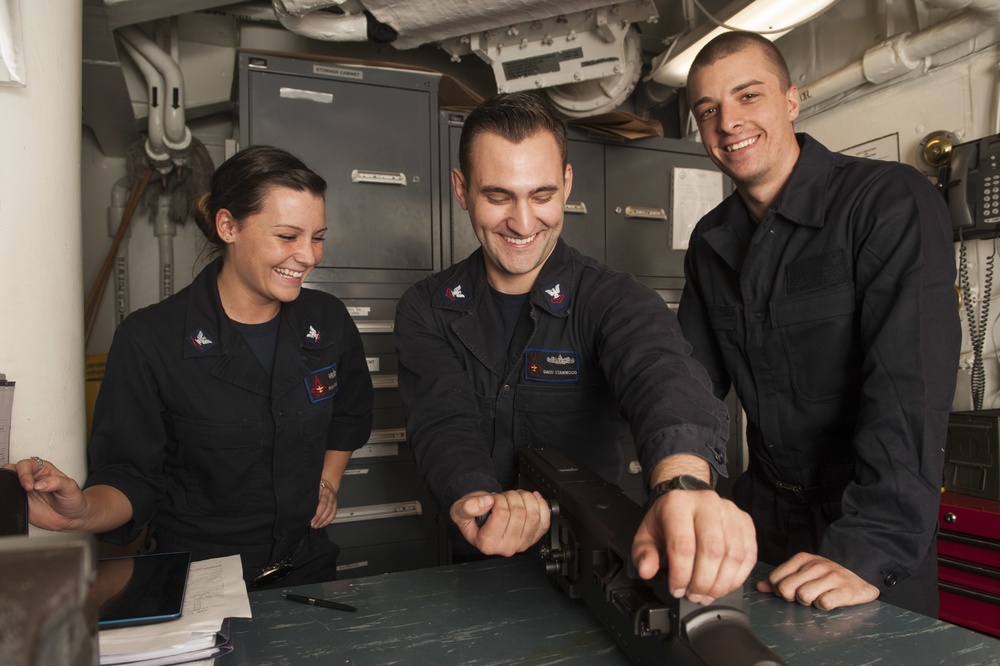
[372, 134]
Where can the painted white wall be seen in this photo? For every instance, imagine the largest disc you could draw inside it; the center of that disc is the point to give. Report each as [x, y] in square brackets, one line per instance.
[41, 311]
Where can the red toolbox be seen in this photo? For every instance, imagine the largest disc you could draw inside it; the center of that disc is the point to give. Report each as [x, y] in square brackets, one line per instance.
[969, 561]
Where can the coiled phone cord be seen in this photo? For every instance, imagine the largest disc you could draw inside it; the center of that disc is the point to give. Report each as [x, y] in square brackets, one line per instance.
[977, 327]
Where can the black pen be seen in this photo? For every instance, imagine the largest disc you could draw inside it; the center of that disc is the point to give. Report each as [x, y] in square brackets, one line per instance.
[322, 603]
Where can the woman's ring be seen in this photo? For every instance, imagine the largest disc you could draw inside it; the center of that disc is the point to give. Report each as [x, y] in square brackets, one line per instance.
[41, 463]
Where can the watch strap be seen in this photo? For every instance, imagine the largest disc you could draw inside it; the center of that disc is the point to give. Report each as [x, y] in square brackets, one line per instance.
[681, 482]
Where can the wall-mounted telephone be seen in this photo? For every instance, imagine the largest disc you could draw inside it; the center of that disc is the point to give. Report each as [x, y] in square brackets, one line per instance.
[971, 184]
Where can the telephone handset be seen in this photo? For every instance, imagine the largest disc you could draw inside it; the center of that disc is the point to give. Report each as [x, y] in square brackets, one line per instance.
[972, 188]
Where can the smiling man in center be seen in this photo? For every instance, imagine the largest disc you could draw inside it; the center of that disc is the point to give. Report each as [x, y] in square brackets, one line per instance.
[529, 343]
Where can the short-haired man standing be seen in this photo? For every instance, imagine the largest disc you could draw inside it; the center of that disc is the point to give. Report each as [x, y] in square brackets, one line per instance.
[822, 289]
[529, 343]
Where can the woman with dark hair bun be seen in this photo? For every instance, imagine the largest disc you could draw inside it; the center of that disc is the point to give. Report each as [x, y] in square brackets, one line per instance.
[229, 411]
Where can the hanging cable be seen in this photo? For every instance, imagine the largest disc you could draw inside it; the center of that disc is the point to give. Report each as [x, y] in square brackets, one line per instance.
[977, 325]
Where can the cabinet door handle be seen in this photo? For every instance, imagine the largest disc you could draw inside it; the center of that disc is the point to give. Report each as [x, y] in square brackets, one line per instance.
[575, 207]
[377, 512]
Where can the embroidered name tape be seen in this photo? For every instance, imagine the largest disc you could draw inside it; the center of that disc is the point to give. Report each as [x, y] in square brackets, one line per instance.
[549, 365]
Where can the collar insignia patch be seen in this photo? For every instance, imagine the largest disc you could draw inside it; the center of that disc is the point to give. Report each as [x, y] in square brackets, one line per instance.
[556, 296]
[201, 342]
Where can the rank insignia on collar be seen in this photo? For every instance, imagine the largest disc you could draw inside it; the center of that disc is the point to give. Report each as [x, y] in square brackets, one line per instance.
[313, 336]
[322, 384]
[453, 293]
[200, 341]
[556, 296]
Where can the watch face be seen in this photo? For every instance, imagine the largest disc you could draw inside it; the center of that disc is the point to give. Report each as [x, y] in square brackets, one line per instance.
[689, 482]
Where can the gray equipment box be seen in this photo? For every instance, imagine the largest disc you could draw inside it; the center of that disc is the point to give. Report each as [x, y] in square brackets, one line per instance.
[971, 466]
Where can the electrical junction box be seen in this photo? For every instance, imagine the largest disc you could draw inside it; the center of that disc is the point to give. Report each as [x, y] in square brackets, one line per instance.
[971, 455]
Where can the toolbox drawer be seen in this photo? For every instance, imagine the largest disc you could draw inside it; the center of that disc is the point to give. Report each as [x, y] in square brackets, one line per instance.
[969, 562]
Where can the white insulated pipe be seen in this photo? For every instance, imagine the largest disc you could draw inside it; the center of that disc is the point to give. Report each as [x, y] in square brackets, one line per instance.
[155, 148]
[177, 136]
[905, 52]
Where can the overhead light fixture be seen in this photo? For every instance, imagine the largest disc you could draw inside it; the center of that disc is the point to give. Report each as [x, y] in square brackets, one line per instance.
[770, 18]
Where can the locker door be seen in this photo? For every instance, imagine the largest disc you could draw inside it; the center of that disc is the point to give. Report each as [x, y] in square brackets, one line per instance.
[373, 145]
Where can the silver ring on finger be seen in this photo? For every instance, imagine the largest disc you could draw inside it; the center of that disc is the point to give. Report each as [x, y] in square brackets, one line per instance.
[39, 462]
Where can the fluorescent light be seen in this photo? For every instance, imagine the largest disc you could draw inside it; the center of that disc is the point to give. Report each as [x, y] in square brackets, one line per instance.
[772, 18]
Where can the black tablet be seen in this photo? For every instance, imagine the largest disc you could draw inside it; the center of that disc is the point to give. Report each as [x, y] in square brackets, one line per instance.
[140, 589]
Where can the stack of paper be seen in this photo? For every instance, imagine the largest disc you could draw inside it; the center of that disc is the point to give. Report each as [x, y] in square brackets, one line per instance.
[215, 592]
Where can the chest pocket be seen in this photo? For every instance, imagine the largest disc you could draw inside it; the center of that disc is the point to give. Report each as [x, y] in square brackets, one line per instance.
[221, 465]
[820, 338]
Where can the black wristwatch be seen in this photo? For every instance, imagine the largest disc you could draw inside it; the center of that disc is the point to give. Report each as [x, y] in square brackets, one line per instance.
[682, 482]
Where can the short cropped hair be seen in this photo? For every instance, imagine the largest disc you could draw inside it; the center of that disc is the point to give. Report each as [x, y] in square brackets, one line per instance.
[514, 116]
[730, 43]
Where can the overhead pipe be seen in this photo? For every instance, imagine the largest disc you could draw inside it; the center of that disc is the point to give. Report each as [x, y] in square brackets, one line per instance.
[904, 53]
[177, 136]
[155, 148]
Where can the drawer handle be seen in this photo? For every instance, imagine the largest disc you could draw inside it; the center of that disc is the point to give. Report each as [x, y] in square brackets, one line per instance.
[387, 435]
[955, 537]
[963, 591]
[644, 213]
[968, 567]
[575, 207]
[378, 177]
[386, 326]
[950, 518]
[377, 512]
[385, 381]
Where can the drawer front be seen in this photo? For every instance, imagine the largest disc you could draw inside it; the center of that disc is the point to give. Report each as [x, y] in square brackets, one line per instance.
[969, 549]
[383, 502]
[969, 515]
[970, 608]
[968, 574]
[400, 556]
